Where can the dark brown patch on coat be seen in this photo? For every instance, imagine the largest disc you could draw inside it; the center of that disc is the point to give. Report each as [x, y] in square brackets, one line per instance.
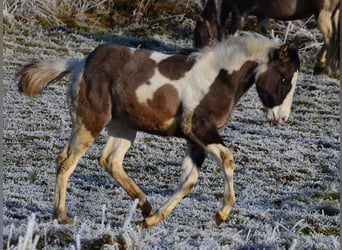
[153, 116]
[139, 69]
[93, 107]
[176, 66]
[111, 71]
[100, 72]
[214, 110]
[166, 101]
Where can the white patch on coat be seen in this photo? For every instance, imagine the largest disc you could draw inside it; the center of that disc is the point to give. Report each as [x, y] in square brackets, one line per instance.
[156, 56]
[229, 55]
[191, 88]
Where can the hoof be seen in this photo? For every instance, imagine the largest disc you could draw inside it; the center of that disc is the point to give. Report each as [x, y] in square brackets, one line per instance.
[218, 220]
[142, 224]
[63, 219]
[146, 210]
[319, 69]
[66, 220]
[148, 222]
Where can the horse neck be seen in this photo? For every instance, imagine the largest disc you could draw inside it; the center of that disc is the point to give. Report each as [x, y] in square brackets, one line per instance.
[241, 61]
[240, 70]
[225, 91]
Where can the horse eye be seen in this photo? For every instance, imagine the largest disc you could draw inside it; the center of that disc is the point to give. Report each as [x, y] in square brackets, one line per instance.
[284, 81]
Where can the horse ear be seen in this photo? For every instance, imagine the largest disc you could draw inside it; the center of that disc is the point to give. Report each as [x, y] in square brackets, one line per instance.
[295, 44]
[283, 51]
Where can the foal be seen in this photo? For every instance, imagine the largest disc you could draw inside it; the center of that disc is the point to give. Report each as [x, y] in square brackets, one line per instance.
[128, 90]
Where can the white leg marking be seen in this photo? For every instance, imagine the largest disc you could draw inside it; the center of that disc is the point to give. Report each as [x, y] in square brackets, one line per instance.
[187, 181]
[67, 160]
[120, 140]
[225, 159]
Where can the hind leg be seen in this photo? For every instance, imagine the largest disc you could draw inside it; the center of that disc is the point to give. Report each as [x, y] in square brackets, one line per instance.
[67, 160]
[120, 140]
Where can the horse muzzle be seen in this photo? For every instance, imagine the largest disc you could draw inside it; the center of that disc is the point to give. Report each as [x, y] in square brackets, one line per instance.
[277, 117]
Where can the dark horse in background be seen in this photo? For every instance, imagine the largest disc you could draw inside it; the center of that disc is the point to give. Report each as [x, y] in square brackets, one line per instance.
[215, 14]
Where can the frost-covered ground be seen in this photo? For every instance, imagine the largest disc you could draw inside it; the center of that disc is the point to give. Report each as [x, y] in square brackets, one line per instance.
[286, 178]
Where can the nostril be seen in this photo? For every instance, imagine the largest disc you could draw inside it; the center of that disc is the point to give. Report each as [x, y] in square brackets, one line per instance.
[282, 120]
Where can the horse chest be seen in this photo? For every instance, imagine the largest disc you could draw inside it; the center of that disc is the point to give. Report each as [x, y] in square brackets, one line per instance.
[216, 106]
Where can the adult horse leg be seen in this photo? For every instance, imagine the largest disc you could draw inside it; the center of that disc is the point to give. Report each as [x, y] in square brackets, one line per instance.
[67, 160]
[325, 26]
[237, 19]
[120, 140]
[192, 161]
[224, 11]
[208, 28]
[333, 50]
[263, 23]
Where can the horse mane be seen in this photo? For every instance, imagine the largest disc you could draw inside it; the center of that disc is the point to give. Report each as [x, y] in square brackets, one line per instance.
[235, 50]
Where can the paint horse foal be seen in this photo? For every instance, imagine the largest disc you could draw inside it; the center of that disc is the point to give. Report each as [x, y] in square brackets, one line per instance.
[128, 90]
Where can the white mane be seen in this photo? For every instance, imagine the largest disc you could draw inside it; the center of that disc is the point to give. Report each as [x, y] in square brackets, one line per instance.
[236, 50]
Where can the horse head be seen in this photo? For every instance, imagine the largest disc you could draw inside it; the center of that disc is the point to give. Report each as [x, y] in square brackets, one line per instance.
[276, 83]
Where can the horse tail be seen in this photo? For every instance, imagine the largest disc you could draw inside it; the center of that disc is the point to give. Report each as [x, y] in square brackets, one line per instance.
[35, 76]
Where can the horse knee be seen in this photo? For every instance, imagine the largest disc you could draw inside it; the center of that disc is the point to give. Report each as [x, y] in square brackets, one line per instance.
[186, 124]
[103, 161]
[191, 179]
[111, 166]
[321, 61]
[223, 155]
[64, 161]
[227, 159]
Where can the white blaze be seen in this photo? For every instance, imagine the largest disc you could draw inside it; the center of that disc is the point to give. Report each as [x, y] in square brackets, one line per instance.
[281, 112]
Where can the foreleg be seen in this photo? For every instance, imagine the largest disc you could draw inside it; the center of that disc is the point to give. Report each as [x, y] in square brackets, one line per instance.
[194, 159]
[206, 132]
[225, 159]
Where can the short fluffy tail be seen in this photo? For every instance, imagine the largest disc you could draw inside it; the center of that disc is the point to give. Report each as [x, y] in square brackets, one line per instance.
[34, 77]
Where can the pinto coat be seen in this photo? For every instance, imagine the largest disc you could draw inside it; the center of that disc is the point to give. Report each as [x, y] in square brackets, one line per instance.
[190, 96]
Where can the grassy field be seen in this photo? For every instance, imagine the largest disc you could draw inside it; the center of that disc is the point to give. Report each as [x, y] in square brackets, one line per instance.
[286, 179]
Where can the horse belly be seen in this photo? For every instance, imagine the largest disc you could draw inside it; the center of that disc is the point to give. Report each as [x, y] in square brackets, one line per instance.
[286, 10]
